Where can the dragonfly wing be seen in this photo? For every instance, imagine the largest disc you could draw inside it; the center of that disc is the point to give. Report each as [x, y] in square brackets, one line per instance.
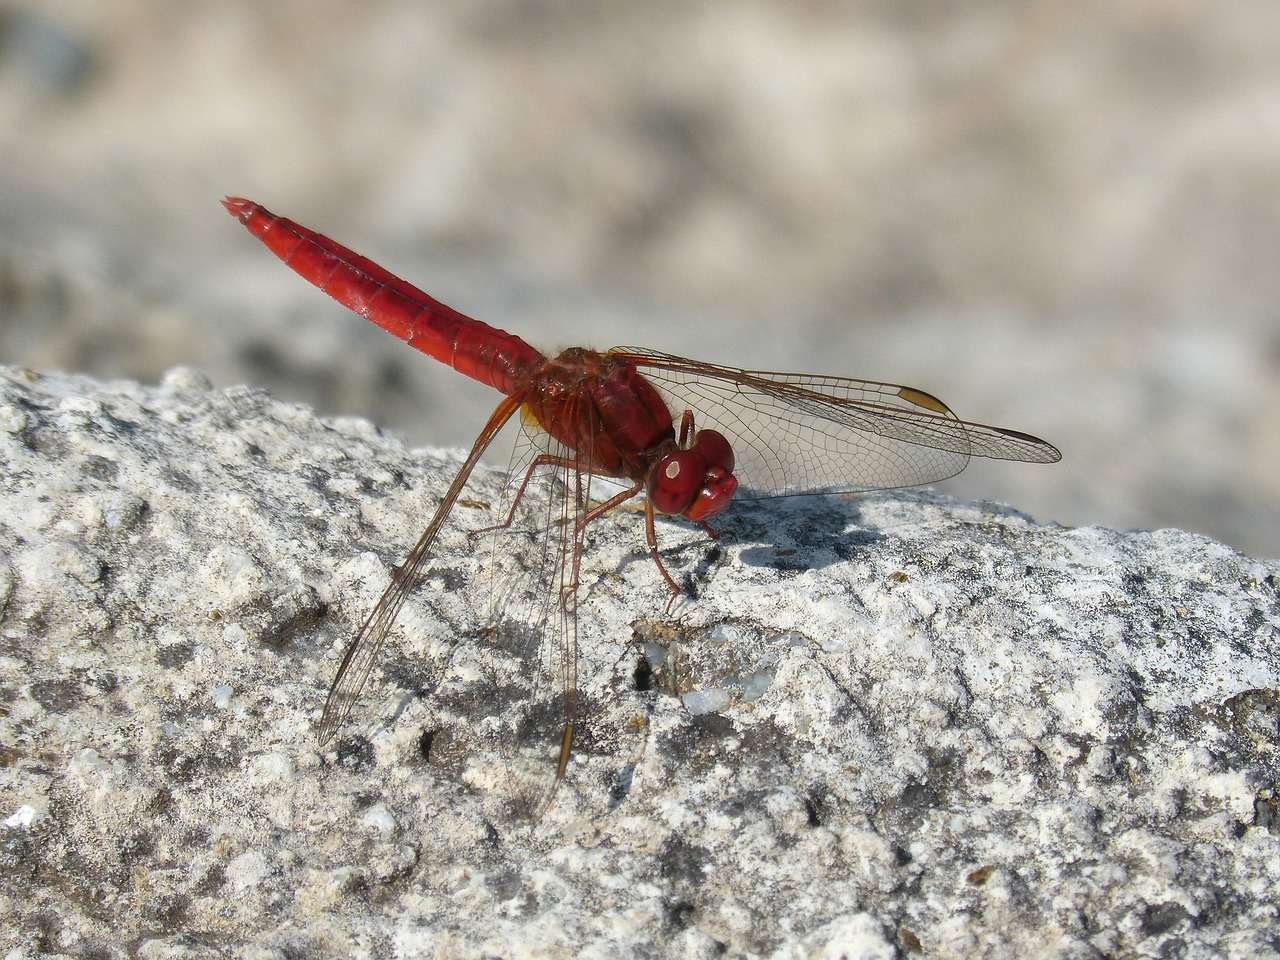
[798, 433]
[531, 582]
[362, 651]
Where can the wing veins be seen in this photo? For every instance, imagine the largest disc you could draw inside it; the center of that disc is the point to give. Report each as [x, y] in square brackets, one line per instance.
[868, 434]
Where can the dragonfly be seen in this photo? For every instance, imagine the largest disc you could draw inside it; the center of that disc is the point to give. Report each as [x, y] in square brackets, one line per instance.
[687, 436]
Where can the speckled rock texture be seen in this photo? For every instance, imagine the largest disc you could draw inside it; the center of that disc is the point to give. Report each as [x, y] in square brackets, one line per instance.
[883, 726]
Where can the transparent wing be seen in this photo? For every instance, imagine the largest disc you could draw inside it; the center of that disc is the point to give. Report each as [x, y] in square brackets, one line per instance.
[362, 651]
[532, 581]
[796, 433]
[533, 626]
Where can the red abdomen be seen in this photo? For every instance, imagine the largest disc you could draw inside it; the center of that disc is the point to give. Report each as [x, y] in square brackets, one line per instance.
[482, 352]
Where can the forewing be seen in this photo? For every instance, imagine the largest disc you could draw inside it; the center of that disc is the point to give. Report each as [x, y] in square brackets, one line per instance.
[796, 433]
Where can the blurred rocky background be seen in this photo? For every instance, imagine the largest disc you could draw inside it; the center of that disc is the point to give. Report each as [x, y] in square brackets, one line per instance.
[1062, 218]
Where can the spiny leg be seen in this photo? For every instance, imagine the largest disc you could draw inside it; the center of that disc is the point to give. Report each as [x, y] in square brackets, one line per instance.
[542, 460]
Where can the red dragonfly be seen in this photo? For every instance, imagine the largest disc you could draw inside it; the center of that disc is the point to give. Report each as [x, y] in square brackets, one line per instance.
[688, 436]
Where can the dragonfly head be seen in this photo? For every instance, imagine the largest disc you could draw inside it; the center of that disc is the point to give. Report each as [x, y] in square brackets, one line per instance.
[696, 483]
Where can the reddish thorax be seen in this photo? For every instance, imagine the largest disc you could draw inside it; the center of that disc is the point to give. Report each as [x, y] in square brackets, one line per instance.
[599, 405]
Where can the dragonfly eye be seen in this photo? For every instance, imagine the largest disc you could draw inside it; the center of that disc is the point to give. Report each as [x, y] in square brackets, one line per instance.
[675, 481]
[697, 483]
[715, 449]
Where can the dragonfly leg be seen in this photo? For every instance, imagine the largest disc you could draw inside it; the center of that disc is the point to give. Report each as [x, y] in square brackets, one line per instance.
[542, 460]
[580, 527]
[686, 429]
[601, 509]
[651, 537]
[715, 534]
[570, 568]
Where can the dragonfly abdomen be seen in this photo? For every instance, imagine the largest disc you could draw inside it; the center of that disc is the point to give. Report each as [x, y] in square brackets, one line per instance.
[472, 347]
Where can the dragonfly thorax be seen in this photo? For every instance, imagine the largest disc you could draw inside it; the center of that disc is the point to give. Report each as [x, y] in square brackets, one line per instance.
[603, 409]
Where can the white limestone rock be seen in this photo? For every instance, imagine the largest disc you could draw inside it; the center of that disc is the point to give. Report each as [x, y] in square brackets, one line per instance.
[885, 725]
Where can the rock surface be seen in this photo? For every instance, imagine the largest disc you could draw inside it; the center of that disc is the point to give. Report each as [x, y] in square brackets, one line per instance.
[884, 726]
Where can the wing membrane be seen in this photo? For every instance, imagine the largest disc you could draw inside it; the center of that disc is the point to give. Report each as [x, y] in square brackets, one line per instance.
[797, 433]
[362, 651]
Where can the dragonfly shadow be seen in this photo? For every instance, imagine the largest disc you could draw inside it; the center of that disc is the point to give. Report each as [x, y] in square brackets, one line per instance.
[802, 533]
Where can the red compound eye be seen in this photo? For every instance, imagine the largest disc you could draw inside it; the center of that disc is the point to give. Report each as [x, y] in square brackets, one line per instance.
[715, 449]
[675, 481]
[698, 482]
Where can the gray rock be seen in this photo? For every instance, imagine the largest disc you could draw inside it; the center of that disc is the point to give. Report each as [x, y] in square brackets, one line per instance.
[872, 727]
